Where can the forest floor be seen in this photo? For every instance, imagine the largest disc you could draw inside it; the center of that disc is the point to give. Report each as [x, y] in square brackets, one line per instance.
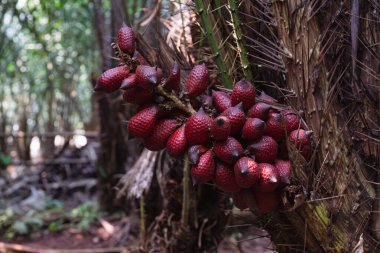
[54, 207]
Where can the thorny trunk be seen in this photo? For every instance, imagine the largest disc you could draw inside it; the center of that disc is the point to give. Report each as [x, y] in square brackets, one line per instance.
[343, 113]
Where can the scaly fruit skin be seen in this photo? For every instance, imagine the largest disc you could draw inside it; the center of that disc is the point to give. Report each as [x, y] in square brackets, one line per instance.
[204, 170]
[237, 118]
[265, 149]
[225, 178]
[142, 123]
[283, 171]
[301, 140]
[174, 78]
[253, 129]
[111, 79]
[244, 92]
[228, 151]
[194, 152]
[291, 120]
[221, 100]
[126, 40]
[137, 95]
[276, 127]
[177, 142]
[220, 128]
[246, 172]
[240, 200]
[268, 178]
[147, 77]
[267, 201]
[266, 97]
[160, 134]
[259, 110]
[197, 81]
[139, 58]
[197, 128]
[129, 82]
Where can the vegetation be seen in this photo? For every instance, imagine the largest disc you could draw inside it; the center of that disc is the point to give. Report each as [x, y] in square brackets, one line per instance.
[320, 57]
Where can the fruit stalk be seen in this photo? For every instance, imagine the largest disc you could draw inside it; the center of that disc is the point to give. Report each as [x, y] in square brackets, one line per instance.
[186, 192]
[177, 102]
[207, 26]
[236, 26]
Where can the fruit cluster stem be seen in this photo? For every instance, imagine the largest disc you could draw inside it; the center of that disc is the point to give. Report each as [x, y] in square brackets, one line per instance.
[186, 192]
[142, 221]
[236, 26]
[208, 28]
[177, 102]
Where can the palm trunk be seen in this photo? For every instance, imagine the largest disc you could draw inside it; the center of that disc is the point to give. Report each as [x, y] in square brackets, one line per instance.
[340, 196]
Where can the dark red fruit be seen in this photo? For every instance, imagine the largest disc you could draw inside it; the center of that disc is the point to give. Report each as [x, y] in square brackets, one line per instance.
[228, 151]
[221, 100]
[206, 101]
[194, 152]
[197, 128]
[204, 170]
[147, 77]
[301, 139]
[240, 200]
[110, 80]
[137, 95]
[283, 171]
[177, 142]
[220, 128]
[126, 40]
[142, 124]
[129, 82]
[283, 150]
[267, 201]
[246, 172]
[225, 178]
[139, 58]
[265, 149]
[174, 78]
[197, 81]
[244, 92]
[253, 129]
[259, 110]
[266, 97]
[291, 120]
[276, 127]
[269, 180]
[237, 118]
[160, 134]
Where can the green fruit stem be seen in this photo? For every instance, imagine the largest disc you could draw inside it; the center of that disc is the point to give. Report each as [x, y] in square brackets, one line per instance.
[236, 26]
[207, 27]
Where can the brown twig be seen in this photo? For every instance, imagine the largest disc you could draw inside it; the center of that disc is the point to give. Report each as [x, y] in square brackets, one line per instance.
[177, 102]
[186, 192]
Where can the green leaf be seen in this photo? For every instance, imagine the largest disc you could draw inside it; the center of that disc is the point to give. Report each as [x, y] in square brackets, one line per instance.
[19, 227]
[5, 160]
[56, 226]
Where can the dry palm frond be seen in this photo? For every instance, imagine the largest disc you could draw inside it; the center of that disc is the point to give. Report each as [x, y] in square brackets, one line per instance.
[139, 177]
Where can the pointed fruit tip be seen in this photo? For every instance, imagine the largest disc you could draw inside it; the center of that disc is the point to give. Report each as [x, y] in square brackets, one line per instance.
[308, 133]
[153, 79]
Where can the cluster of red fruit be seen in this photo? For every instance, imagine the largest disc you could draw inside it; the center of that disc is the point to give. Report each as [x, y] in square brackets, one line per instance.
[238, 143]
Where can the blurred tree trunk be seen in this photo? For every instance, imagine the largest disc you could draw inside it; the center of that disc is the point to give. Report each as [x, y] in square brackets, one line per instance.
[113, 152]
[3, 124]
